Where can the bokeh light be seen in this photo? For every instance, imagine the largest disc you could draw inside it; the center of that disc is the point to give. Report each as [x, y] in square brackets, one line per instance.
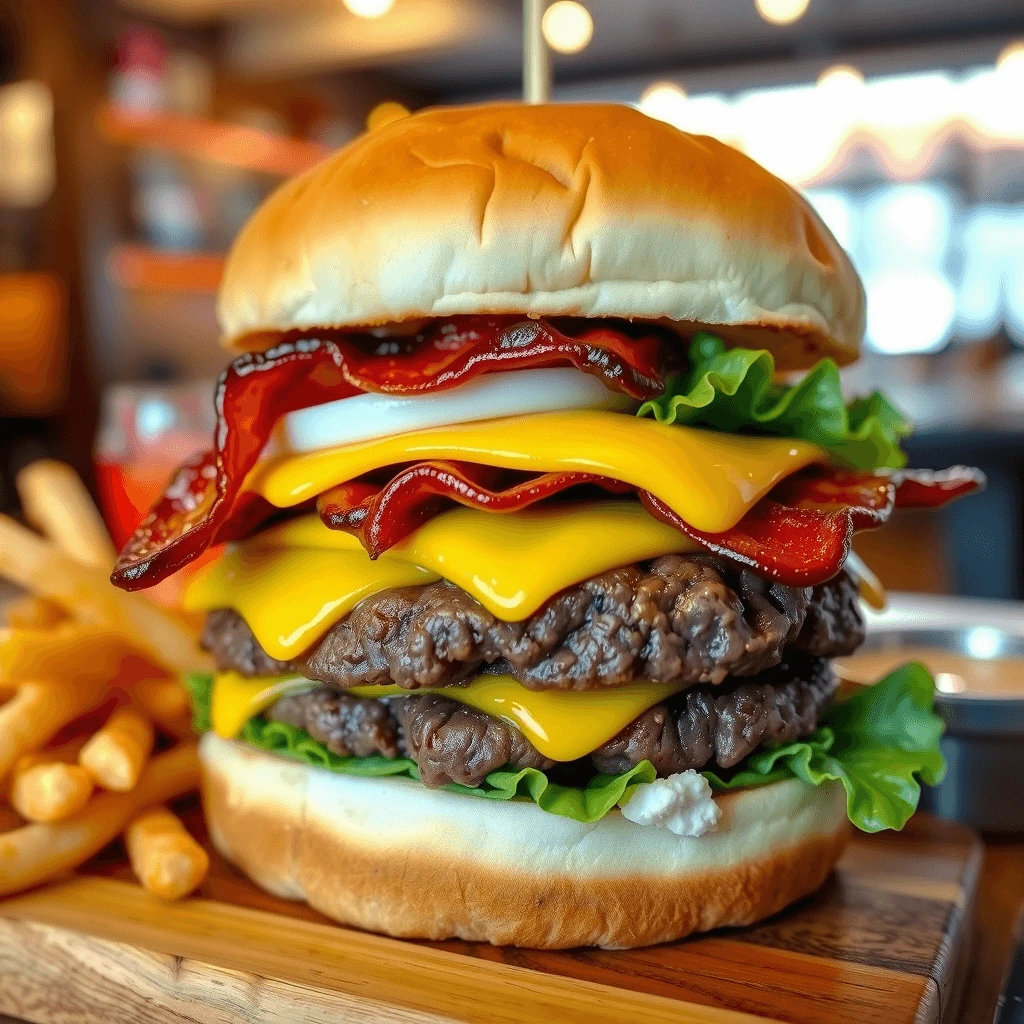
[664, 101]
[781, 12]
[567, 26]
[840, 76]
[369, 8]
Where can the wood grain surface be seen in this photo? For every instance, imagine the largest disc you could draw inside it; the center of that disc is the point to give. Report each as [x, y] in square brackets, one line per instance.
[887, 940]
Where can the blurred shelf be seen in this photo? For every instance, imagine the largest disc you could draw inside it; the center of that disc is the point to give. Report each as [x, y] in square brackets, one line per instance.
[138, 268]
[213, 141]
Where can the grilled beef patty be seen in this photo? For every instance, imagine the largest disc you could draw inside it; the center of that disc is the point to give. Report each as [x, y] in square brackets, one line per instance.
[452, 742]
[690, 619]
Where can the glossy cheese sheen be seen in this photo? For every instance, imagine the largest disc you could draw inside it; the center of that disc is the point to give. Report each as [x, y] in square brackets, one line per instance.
[293, 582]
[237, 698]
[561, 725]
[513, 562]
[290, 597]
[709, 478]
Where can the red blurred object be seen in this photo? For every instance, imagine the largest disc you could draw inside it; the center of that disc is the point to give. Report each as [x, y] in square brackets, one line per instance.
[146, 431]
[141, 49]
[139, 78]
[126, 491]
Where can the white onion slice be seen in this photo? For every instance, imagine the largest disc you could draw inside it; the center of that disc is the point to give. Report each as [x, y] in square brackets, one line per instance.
[513, 393]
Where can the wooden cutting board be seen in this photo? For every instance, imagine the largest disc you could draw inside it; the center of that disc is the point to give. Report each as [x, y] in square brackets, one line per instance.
[887, 940]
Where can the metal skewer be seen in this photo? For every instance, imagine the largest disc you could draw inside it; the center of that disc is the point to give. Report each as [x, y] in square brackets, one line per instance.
[536, 59]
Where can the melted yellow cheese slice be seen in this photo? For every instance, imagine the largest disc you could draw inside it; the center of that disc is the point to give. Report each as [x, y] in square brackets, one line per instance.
[709, 478]
[513, 562]
[237, 698]
[291, 597]
[561, 725]
[293, 582]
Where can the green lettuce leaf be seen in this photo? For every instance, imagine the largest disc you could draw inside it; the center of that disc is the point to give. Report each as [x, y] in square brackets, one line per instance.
[200, 690]
[734, 390]
[877, 744]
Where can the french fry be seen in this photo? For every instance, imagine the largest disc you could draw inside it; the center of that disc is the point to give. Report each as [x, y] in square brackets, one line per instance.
[116, 755]
[49, 784]
[85, 592]
[66, 752]
[38, 711]
[166, 704]
[57, 504]
[164, 857]
[67, 651]
[31, 612]
[162, 698]
[50, 790]
[36, 852]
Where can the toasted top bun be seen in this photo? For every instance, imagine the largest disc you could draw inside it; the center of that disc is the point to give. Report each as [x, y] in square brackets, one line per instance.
[390, 855]
[583, 210]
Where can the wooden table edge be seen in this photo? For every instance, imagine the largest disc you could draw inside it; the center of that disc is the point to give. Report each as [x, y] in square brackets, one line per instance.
[428, 976]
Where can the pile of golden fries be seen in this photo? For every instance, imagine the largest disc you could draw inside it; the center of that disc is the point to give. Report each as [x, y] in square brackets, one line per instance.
[89, 689]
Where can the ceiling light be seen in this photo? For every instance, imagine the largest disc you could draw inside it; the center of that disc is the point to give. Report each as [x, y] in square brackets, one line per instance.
[664, 101]
[840, 76]
[369, 8]
[567, 26]
[781, 12]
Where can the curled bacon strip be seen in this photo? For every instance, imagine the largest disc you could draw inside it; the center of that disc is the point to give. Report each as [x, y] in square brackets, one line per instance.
[926, 488]
[799, 547]
[380, 518]
[800, 535]
[198, 507]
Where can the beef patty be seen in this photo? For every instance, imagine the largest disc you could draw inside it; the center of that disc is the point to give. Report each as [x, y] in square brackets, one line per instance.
[689, 619]
[451, 742]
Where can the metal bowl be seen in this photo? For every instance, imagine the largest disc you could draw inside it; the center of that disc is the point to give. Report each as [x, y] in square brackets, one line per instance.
[984, 740]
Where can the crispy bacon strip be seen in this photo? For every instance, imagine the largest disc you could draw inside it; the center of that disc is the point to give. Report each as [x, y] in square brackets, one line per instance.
[868, 498]
[799, 547]
[199, 506]
[380, 518]
[800, 535]
[927, 488]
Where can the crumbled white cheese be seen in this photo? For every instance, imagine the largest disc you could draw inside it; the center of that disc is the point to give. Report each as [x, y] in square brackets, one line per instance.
[681, 803]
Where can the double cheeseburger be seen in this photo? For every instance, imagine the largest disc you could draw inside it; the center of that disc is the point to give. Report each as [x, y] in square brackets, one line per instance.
[534, 488]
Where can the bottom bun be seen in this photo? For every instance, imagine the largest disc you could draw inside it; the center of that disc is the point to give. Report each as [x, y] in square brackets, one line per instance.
[389, 855]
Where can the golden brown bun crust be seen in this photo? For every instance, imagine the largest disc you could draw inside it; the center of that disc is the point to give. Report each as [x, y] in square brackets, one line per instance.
[390, 856]
[585, 210]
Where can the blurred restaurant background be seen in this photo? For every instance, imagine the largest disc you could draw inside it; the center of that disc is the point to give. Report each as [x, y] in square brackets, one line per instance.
[137, 135]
